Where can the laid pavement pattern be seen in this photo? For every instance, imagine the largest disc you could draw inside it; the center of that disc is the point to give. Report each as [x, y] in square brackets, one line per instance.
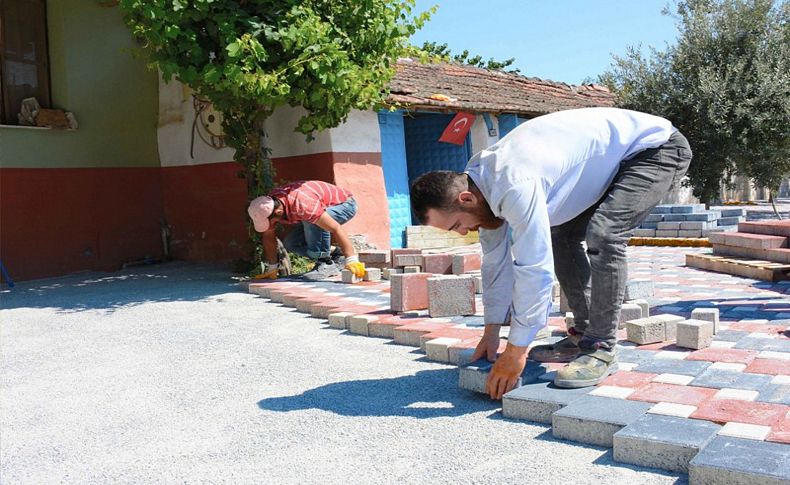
[721, 414]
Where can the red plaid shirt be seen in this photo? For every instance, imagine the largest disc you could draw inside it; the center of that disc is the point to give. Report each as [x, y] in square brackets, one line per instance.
[306, 200]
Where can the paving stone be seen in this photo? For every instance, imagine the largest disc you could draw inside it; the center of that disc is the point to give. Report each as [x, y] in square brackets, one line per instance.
[412, 269]
[409, 291]
[451, 295]
[538, 401]
[682, 367]
[472, 377]
[741, 394]
[644, 305]
[338, 320]
[720, 379]
[615, 392]
[372, 274]
[660, 392]
[594, 420]
[727, 410]
[730, 335]
[755, 343]
[693, 233]
[780, 432]
[460, 354]
[644, 232]
[664, 442]
[358, 324]
[666, 233]
[438, 263]
[464, 263]
[694, 334]
[735, 356]
[737, 461]
[637, 288]
[386, 273]
[438, 349]
[630, 379]
[707, 314]
[672, 409]
[346, 276]
[629, 311]
[402, 260]
[745, 431]
[409, 334]
[374, 256]
[658, 328]
[676, 379]
[775, 393]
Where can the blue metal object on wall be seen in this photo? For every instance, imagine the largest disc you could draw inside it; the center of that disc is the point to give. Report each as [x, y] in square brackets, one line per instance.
[396, 177]
[507, 121]
[424, 151]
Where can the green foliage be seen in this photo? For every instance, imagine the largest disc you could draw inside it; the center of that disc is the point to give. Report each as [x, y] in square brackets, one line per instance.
[250, 56]
[725, 85]
[441, 51]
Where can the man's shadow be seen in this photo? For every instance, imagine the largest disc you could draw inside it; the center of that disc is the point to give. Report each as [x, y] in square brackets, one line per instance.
[427, 394]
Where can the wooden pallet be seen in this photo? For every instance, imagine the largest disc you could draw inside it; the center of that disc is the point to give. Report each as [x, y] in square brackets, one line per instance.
[748, 268]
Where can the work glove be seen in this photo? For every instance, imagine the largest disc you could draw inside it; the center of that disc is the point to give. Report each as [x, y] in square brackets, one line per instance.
[270, 272]
[353, 265]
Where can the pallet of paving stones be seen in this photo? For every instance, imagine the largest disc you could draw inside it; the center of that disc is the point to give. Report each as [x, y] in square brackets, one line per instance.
[688, 221]
[748, 268]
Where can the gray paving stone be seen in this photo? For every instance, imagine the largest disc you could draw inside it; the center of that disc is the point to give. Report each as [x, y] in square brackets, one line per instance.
[708, 315]
[694, 334]
[775, 393]
[664, 442]
[537, 402]
[730, 335]
[671, 366]
[472, 377]
[634, 356]
[756, 343]
[737, 461]
[594, 420]
[719, 379]
[638, 288]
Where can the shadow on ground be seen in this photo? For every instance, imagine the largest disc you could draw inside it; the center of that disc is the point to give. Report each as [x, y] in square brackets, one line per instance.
[110, 291]
[427, 394]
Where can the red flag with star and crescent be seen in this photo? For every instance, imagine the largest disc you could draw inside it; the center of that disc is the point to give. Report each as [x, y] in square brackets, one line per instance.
[458, 128]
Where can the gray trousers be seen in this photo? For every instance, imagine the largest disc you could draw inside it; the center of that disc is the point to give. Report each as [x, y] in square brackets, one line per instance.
[594, 281]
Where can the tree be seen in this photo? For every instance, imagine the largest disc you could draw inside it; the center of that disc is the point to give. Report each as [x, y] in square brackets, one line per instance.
[249, 57]
[725, 84]
[441, 51]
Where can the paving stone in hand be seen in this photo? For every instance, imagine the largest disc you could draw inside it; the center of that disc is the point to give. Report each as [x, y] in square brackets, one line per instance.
[472, 377]
[664, 442]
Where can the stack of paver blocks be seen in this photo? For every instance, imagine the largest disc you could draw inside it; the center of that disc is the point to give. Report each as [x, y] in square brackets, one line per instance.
[694, 333]
[758, 250]
[425, 237]
[688, 221]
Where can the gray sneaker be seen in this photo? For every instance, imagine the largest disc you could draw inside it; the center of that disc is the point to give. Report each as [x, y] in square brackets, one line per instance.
[322, 271]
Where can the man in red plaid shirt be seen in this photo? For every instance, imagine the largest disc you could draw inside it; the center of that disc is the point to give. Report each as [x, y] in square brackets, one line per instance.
[318, 209]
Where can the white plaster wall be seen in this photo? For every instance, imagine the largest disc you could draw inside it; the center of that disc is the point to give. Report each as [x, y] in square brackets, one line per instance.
[479, 134]
[283, 141]
[360, 133]
[174, 129]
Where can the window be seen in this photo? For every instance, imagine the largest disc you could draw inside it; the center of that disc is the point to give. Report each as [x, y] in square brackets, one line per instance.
[24, 64]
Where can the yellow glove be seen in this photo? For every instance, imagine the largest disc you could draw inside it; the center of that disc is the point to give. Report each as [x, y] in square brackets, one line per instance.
[269, 273]
[353, 265]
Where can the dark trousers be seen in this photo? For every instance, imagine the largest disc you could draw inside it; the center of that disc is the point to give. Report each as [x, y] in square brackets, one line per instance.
[594, 281]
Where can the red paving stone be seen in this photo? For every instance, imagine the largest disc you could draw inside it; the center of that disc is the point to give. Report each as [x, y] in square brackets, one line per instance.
[773, 367]
[735, 356]
[729, 410]
[628, 379]
[757, 327]
[660, 392]
[780, 432]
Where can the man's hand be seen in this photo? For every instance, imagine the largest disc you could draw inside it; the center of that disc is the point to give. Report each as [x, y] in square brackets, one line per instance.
[353, 265]
[506, 371]
[488, 345]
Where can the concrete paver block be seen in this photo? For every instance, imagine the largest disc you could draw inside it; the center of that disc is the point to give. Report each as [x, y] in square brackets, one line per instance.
[737, 461]
[407, 260]
[338, 320]
[629, 311]
[644, 305]
[691, 368]
[438, 263]
[412, 269]
[639, 288]
[538, 401]
[707, 314]
[438, 349]
[372, 274]
[594, 420]
[386, 273]
[648, 330]
[358, 324]
[459, 355]
[348, 277]
[409, 291]
[374, 256]
[464, 263]
[472, 377]
[694, 334]
[746, 431]
[451, 296]
[664, 442]
[720, 379]
[478, 284]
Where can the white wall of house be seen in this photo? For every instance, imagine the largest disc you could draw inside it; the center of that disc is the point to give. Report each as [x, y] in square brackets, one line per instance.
[359, 133]
[479, 133]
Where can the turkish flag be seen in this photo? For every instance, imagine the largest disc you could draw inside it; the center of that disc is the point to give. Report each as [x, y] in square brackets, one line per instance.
[458, 128]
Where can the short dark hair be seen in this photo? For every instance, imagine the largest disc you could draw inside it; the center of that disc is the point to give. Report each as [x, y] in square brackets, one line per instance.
[437, 190]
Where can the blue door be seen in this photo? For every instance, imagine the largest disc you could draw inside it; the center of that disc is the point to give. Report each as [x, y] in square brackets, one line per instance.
[396, 177]
[424, 151]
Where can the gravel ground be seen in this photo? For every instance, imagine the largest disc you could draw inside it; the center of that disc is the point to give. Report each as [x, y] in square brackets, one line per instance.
[171, 374]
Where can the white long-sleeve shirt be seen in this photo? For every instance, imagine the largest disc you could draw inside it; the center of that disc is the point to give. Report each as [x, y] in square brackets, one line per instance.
[544, 173]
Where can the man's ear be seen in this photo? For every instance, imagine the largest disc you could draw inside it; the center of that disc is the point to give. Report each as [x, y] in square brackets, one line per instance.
[466, 198]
